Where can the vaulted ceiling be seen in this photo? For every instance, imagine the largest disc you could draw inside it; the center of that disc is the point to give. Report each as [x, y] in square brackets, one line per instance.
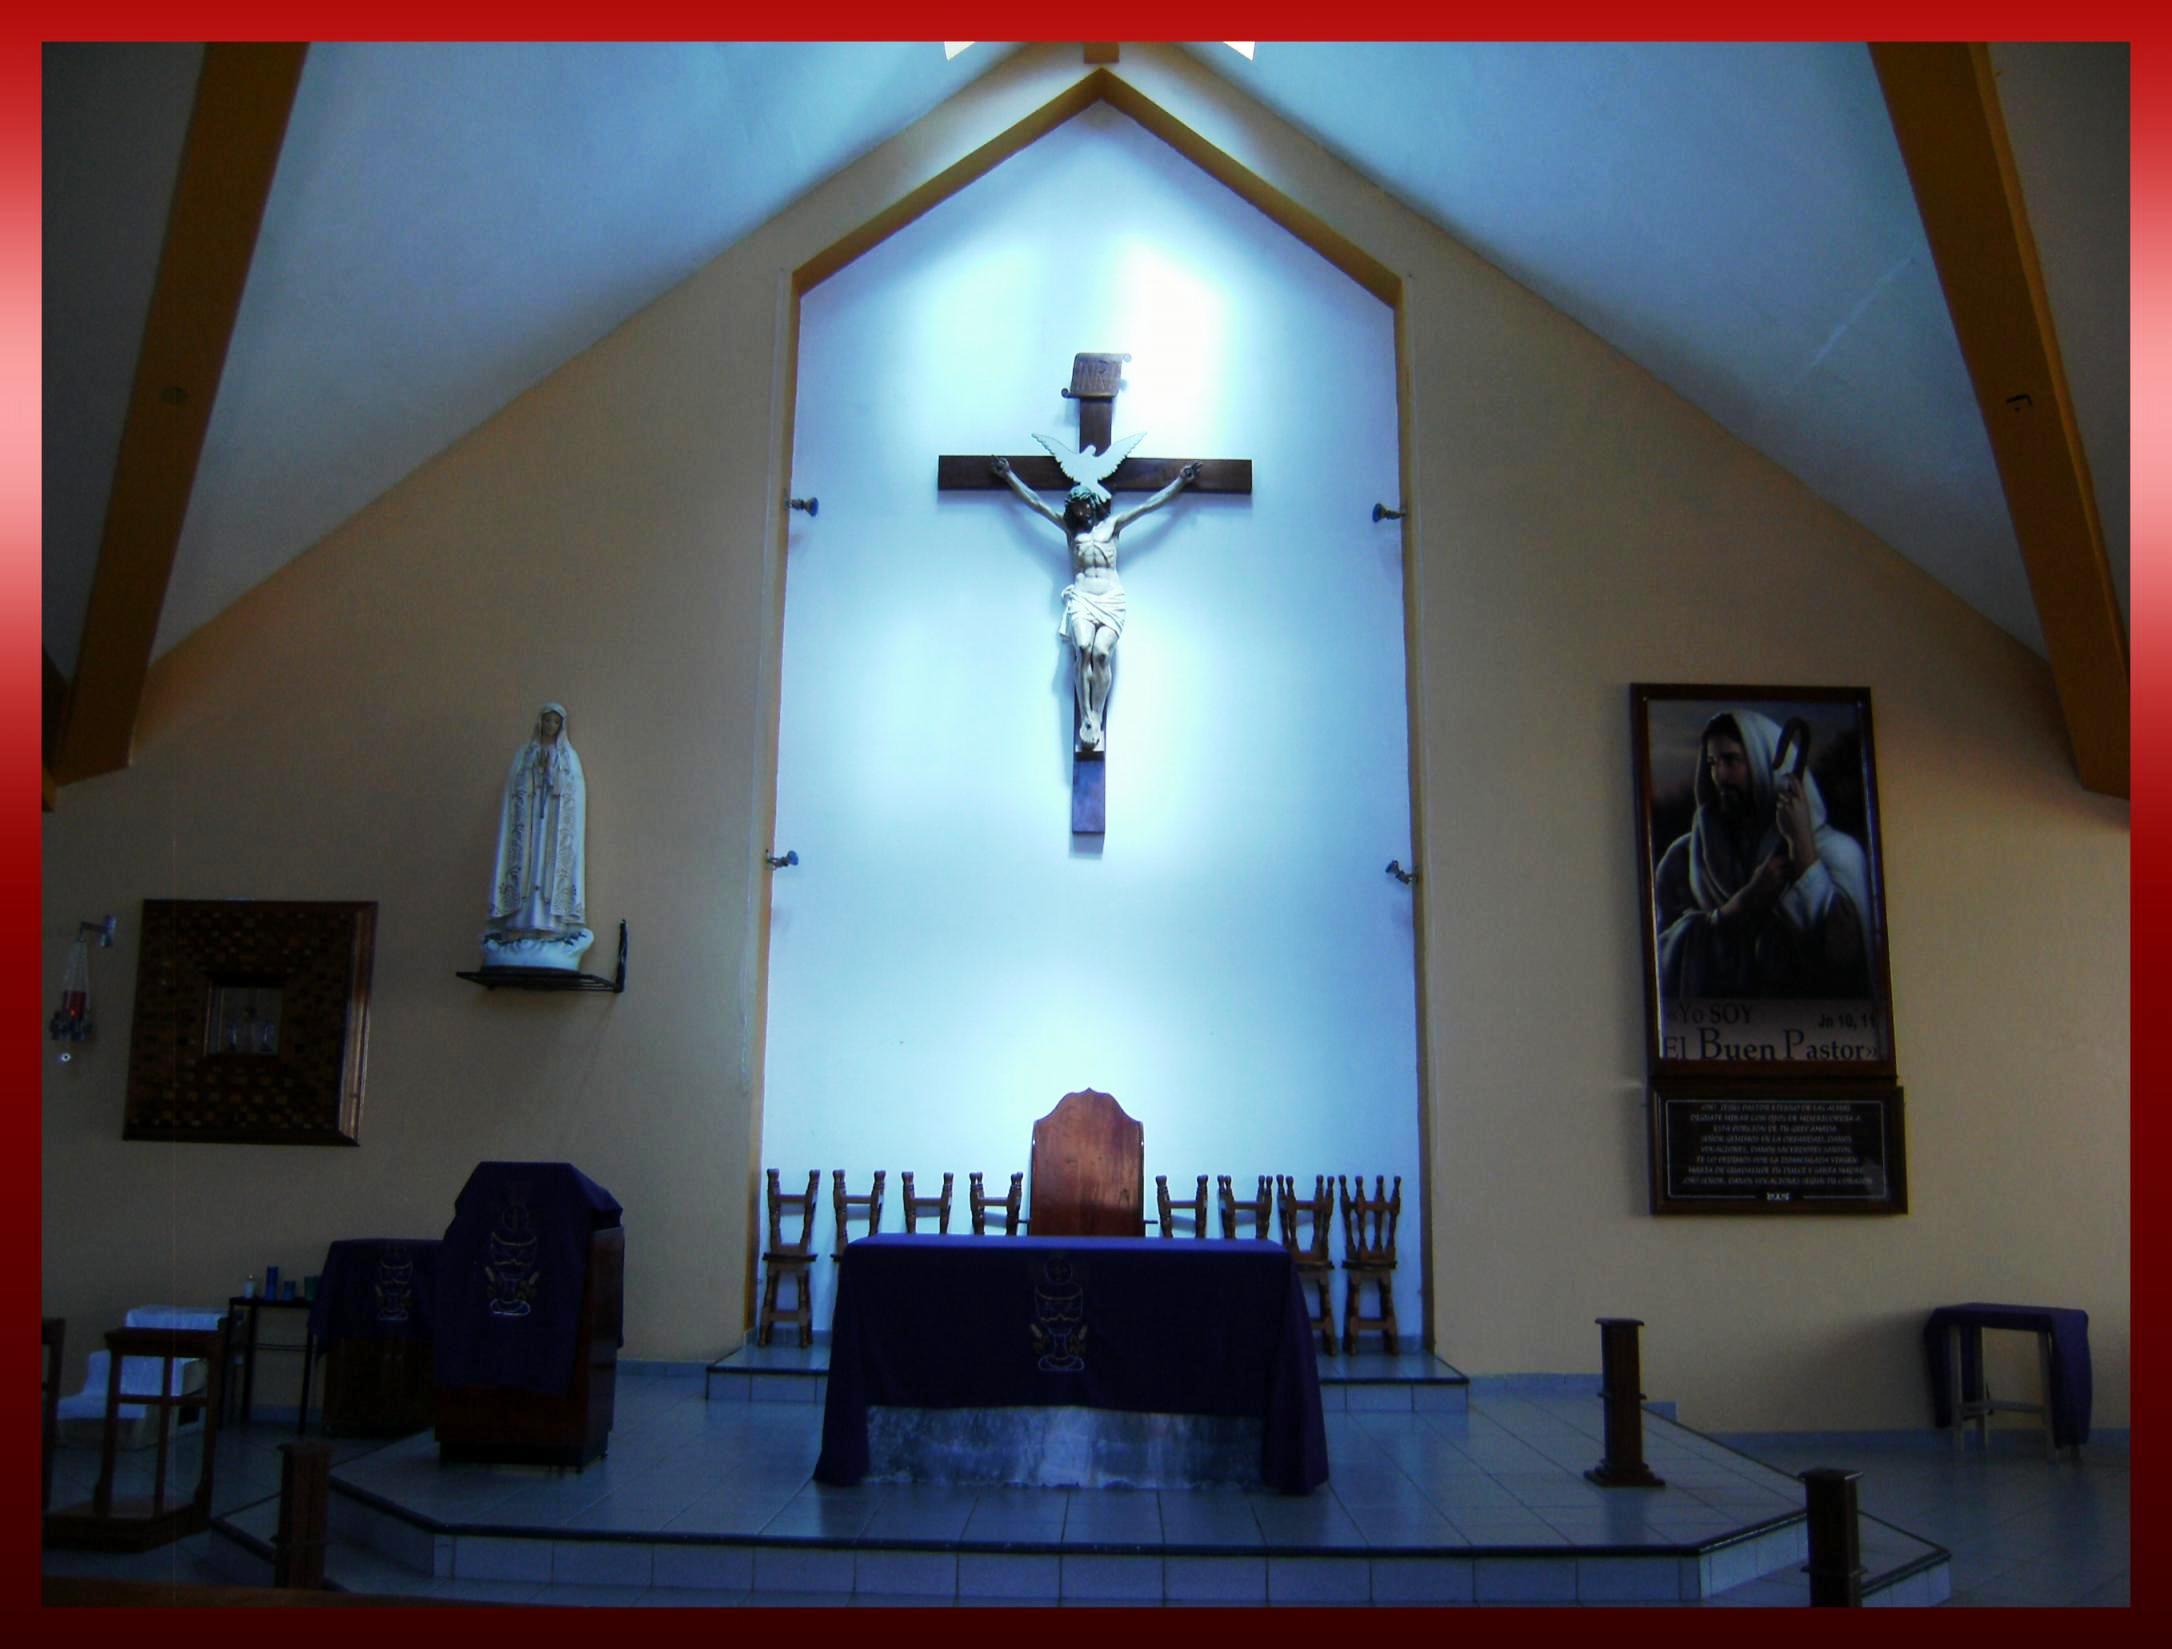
[447, 224]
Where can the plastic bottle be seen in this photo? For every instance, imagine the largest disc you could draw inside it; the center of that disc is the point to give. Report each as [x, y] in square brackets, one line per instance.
[248, 1288]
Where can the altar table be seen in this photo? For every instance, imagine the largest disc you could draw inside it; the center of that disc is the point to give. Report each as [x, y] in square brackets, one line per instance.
[1194, 1327]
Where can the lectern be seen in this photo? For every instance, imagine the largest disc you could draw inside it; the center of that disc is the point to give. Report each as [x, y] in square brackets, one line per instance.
[373, 1321]
[531, 1283]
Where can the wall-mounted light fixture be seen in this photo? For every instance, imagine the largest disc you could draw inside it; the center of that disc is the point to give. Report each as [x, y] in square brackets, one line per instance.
[791, 857]
[71, 1021]
[1396, 870]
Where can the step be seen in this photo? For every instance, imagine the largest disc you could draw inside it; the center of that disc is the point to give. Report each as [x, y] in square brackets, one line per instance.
[468, 1530]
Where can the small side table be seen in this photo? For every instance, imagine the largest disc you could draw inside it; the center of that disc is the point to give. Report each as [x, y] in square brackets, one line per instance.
[250, 1305]
[1960, 1391]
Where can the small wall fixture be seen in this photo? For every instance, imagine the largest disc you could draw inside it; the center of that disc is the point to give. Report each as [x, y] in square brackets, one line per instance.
[1381, 512]
[813, 506]
[791, 857]
[71, 1021]
[1396, 870]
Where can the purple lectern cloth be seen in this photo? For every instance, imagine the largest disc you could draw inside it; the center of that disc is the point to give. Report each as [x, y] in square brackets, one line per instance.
[1159, 1326]
[2071, 1384]
[509, 1275]
[375, 1288]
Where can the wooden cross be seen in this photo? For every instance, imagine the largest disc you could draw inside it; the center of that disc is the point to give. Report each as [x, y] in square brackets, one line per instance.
[1095, 380]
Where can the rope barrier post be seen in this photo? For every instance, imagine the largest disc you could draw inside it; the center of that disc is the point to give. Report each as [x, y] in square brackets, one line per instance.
[1836, 1551]
[1620, 1377]
[305, 1478]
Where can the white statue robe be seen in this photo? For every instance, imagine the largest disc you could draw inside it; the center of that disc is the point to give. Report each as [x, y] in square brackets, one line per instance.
[538, 882]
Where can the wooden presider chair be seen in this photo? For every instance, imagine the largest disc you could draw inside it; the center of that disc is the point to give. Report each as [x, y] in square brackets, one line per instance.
[1008, 1207]
[1368, 1256]
[1089, 1170]
[1193, 1207]
[1314, 1269]
[849, 1206]
[1261, 1207]
[923, 1208]
[794, 1260]
[136, 1526]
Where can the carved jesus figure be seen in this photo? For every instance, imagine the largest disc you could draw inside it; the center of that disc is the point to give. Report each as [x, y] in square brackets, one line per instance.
[1093, 602]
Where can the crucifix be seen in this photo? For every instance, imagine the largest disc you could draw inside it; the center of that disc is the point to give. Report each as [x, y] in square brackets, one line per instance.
[1093, 603]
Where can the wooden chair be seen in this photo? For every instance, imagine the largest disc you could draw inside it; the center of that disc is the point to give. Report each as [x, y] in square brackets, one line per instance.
[848, 1206]
[1261, 1207]
[135, 1525]
[1314, 1269]
[1368, 1256]
[1193, 1207]
[794, 1260]
[1089, 1170]
[920, 1208]
[1009, 1207]
[53, 1336]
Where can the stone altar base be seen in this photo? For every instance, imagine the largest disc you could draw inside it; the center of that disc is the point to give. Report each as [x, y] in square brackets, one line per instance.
[1061, 1448]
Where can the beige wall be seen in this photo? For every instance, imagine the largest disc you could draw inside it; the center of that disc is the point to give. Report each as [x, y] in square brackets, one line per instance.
[610, 540]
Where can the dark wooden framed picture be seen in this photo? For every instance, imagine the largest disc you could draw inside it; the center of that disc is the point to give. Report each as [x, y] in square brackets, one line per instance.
[252, 1021]
[1792, 1147]
[1759, 868]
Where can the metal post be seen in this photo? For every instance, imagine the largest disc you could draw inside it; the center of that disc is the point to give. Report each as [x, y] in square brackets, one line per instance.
[1620, 1377]
[305, 1476]
[1835, 1567]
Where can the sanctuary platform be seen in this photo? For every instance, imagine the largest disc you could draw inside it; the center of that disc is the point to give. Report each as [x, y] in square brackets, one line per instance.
[1442, 1490]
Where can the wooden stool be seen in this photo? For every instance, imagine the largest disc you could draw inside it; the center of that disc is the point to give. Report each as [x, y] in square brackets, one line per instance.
[848, 1206]
[1368, 1256]
[137, 1526]
[1962, 1383]
[918, 1208]
[1261, 1207]
[1314, 1268]
[794, 1260]
[977, 1199]
[53, 1336]
[1193, 1207]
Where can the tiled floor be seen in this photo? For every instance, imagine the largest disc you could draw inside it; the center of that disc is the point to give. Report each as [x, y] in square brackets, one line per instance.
[1418, 1504]
[2023, 1530]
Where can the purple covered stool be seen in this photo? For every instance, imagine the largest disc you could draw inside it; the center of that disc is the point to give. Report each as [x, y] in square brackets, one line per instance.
[1953, 1344]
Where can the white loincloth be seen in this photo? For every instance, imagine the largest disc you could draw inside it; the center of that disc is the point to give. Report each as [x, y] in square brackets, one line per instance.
[1104, 607]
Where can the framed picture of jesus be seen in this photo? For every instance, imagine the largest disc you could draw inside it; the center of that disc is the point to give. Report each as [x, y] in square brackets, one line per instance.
[1763, 913]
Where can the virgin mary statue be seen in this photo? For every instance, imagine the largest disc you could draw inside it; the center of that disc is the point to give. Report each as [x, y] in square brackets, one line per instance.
[538, 894]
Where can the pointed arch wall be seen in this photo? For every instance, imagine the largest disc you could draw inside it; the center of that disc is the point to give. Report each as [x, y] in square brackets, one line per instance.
[1098, 85]
[1249, 989]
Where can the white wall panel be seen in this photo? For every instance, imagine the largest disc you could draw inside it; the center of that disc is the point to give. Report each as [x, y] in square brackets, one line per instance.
[1230, 961]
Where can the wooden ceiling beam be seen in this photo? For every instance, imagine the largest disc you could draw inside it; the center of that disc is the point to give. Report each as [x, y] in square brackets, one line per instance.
[1944, 102]
[235, 131]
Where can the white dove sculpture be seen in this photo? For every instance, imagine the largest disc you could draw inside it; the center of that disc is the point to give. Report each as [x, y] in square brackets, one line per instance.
[1087, 469]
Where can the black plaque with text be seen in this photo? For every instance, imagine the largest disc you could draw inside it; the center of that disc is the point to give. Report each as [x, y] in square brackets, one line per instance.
[1801, 1148]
